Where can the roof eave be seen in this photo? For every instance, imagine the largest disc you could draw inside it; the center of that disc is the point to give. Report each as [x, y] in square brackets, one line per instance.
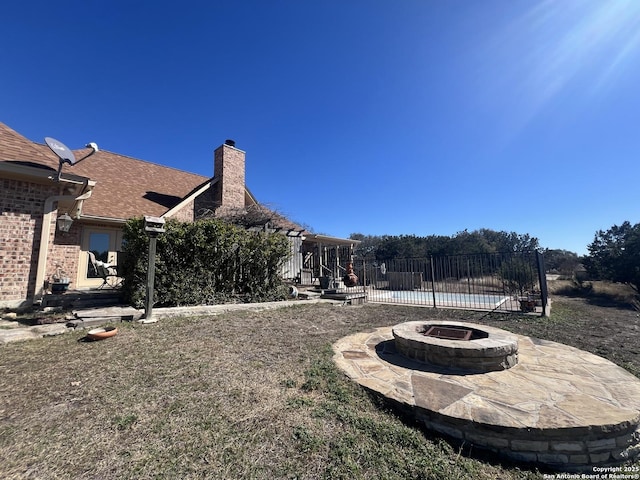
[99, 219]
[332, 240]
[16, 170]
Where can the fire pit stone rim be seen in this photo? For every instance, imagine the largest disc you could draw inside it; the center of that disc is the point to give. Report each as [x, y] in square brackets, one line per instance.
[497, 339]
[498, 351]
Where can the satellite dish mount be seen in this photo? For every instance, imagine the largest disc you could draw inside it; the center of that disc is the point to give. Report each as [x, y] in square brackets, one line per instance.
[65, 155]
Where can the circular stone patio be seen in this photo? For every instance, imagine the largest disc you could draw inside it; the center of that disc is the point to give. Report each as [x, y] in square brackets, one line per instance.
[559, 406]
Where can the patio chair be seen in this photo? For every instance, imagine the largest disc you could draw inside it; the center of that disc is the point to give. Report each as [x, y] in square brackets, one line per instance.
[106, 271]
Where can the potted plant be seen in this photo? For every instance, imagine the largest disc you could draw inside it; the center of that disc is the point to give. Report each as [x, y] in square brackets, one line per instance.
[325, 278]
[527, 305]
[325, 282]
[59, 281]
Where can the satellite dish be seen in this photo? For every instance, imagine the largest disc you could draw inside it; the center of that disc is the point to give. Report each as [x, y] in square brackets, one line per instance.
[383, 268]
[61, 150]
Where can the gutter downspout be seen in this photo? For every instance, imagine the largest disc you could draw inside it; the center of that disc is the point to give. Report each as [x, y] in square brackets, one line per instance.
[45, 233]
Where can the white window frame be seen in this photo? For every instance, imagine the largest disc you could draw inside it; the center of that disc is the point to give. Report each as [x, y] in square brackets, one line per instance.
[115, 245]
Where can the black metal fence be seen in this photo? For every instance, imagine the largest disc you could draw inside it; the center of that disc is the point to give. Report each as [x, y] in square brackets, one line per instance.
[497, 281]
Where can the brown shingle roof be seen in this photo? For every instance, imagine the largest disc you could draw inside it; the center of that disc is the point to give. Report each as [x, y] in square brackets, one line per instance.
[16, 148]
[125, 187]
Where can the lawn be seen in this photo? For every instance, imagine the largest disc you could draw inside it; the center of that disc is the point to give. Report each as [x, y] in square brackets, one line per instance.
[247, 395]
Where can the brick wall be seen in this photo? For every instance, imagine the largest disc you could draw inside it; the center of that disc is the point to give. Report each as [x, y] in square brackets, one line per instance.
[229, 168]
[64, 250]
[206, 203]
[22, 205]
[185, 214]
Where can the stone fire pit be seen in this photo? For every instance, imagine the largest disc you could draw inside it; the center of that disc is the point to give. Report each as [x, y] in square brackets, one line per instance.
[537, 401]
[477, 348]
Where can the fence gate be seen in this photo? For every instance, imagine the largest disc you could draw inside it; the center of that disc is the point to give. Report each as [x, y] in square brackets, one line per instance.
[512, 281]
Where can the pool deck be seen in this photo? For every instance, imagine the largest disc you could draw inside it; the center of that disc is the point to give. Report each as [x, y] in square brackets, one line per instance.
[559, 406]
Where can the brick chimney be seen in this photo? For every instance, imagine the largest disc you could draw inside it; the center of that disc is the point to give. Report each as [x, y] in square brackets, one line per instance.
[228, 168]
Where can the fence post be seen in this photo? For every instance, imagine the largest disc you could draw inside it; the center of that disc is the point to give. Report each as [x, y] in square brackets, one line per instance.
[433, 281]
[542, 279]
[364, 276]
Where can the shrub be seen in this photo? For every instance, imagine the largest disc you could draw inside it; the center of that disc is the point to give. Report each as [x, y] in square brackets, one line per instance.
[204, 262]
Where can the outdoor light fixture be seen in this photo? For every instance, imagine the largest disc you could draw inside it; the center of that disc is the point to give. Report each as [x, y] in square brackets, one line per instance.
[64, 222]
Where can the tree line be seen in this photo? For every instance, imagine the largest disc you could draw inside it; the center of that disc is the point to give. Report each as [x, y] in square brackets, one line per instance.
[386, 247]
[614, 254]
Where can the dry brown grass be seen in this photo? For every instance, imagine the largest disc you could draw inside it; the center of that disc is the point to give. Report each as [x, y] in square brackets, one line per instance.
[243, 395]
[614, 292]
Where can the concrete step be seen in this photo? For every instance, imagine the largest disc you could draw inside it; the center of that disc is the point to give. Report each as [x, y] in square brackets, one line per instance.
[98, 316]
[118, 312]
[29, 333]
[350, 298]
[83, 299]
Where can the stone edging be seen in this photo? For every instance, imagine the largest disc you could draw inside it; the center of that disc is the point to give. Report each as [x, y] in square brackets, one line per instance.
[559, 407]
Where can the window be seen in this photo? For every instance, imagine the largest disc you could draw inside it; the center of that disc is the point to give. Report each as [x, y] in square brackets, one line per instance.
[99, 245]
[104, 243]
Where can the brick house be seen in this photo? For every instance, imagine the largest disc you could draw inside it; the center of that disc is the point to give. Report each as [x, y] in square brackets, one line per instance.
[100, 193]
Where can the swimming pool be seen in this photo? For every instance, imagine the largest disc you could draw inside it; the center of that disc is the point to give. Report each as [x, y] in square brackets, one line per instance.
[442, 299]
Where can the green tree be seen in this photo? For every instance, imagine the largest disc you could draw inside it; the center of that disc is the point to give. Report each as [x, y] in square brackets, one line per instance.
[559, 261]
[466, 242]
[368, 245]
[509, 241]
[614, 254]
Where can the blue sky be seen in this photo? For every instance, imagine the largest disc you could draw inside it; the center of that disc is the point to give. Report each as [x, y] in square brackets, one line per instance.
[380, 117]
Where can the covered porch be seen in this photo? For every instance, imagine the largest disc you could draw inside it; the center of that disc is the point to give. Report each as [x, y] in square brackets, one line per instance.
[325, 260]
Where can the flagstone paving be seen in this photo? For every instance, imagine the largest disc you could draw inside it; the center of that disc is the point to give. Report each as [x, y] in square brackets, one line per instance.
[559, 406]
